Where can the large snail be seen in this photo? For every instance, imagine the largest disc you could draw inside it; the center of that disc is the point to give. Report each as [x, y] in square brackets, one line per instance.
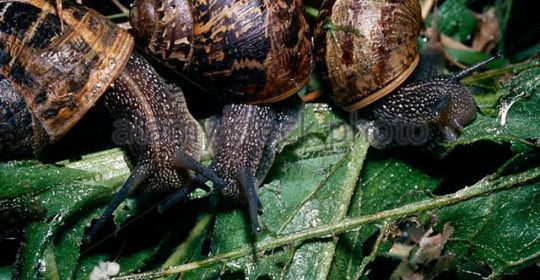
[50, 78]
[254, 52]
[367, 51]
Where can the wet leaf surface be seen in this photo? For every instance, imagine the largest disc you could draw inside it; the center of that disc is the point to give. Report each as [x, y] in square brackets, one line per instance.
[333, 207]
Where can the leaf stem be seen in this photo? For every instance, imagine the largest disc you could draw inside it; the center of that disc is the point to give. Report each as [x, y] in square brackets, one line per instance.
[196, 234]
[119, 15]
[516, 263]
[367, 260]
[481, 188]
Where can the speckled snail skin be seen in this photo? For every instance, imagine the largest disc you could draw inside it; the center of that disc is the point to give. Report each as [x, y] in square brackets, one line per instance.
[243, 52]
[367, 52]
[50, 78]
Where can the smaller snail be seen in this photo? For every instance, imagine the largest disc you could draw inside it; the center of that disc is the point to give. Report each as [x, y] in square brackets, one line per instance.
[251, 55]
[50, 78]
[367, 52]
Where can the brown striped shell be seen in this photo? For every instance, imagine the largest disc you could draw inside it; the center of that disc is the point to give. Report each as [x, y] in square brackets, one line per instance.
[249, 51]
[60, 74]
[366, 49]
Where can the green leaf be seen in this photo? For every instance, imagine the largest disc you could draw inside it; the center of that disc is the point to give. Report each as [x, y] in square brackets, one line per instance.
[518, 120]
[61, 204]
[498, 234]
[319, 192]
[5, 273]
[483, 189]
[503, 10]
[20, 210]
[470, 57]
[28, 177]
[94, 185]
[456, 20]
[385, 183]
[67, 245]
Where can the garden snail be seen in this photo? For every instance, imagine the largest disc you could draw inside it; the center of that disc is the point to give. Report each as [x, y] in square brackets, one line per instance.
[367, 50]
[55, 77]
[254, 52]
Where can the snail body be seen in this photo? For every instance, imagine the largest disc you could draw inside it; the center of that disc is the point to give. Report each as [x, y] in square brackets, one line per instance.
[51, 78]
[252, 56]
[242, 142]
[367, 52]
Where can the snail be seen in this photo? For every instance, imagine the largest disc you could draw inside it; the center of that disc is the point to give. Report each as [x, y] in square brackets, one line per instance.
[50, 78]
[367, 51]
[251, 55]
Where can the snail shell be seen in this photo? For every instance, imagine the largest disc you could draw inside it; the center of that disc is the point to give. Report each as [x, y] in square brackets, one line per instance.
[60, 75]
[366, 49]
[248, 51]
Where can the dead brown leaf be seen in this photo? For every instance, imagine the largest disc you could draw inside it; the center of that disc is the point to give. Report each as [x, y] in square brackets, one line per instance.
[423, 260]
[487, 32]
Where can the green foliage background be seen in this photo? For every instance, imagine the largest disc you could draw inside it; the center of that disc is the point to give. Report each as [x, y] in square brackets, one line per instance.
[332, 205]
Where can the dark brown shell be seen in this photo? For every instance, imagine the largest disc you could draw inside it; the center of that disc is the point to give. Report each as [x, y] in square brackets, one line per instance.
[60, 74]
[366, 49]
[251, 51]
